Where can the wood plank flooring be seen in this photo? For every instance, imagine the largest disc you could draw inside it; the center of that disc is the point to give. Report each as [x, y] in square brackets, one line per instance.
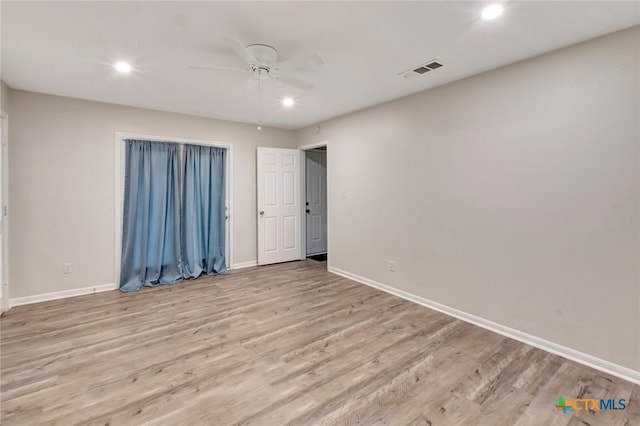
[287, 344]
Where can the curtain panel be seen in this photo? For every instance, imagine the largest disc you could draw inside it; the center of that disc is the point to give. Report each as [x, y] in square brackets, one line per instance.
[151, 252]
[204, 211]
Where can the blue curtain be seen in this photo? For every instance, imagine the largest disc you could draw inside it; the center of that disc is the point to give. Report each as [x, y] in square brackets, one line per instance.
[203, 211]
[151, 252]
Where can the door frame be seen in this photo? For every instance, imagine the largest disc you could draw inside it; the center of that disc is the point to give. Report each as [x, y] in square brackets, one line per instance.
[303, 195]
[4, 279]
[119, 189]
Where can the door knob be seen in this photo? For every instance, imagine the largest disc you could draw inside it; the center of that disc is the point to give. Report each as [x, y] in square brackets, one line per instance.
[261, 212]
[308, 211]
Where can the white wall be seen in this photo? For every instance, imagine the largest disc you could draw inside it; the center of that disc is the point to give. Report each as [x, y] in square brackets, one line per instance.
[512, 195]
[63, 177]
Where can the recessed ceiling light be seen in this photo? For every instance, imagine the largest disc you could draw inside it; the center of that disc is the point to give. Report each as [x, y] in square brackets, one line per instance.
[287, 102]
[122, 67]
[492, 11]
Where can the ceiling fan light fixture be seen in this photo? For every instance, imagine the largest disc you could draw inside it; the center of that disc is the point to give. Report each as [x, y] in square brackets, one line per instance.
[288, 102]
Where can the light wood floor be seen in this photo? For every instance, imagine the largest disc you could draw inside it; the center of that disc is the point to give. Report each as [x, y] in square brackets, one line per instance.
[283, 344]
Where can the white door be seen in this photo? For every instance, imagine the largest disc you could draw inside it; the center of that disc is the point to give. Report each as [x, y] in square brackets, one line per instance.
[279, 210]
[316, 208]
[3, 147]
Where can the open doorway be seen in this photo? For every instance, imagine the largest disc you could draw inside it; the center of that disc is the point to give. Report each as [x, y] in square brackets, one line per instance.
[315, 196]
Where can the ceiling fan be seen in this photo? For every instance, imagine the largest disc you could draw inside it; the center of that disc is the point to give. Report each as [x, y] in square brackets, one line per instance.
[262, 61]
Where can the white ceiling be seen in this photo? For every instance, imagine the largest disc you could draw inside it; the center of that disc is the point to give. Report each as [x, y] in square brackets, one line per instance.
[68, 48]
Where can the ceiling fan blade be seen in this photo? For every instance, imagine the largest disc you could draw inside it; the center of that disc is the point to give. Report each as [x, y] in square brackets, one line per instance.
[241, 50]
[292, 81]
[300, 63]
[214, 68]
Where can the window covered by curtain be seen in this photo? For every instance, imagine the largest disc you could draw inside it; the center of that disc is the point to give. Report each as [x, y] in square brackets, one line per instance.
[173, 217]
[203, 210]
[151, 252]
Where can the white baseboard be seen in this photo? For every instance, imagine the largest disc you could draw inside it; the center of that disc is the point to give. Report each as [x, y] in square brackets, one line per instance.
[241, 265]
[27, 300]
[554, 348]
[18, 301]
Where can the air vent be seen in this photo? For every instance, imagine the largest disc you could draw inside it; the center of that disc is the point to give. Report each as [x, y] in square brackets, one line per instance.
[422, 69]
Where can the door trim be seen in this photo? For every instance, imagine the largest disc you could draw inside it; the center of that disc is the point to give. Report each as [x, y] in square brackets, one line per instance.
[303, 189]
[119, 189]
[4, 204]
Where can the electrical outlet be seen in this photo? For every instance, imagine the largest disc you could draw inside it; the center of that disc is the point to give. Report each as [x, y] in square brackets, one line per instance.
[66, 268]
[392, 266]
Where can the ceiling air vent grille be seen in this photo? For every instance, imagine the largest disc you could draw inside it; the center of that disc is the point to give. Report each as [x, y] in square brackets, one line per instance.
[422, 69]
